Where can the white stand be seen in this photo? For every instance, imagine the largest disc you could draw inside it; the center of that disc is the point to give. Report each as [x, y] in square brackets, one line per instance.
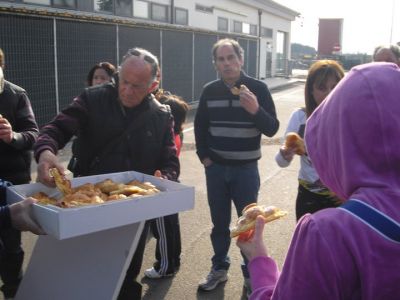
[90, 266]
[88, 249]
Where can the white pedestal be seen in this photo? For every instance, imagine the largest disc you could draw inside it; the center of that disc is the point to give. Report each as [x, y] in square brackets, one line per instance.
[91, 266]
[88, 249]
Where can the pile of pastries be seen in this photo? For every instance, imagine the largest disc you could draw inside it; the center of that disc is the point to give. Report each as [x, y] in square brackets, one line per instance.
[88, 193]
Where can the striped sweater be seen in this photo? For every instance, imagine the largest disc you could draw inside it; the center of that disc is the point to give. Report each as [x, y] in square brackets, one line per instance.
[224, 131]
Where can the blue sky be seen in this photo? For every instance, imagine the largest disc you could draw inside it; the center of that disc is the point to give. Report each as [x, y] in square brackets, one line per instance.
[366, 24]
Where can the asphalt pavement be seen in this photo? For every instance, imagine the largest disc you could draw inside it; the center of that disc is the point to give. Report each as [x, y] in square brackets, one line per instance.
[278, 187]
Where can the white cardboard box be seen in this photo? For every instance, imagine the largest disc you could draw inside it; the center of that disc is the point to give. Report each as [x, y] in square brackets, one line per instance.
[63, 223]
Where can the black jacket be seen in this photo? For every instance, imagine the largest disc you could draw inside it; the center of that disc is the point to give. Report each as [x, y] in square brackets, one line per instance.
[107, 142]
[15, 158]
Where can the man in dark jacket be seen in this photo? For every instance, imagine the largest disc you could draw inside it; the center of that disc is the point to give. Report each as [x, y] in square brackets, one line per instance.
[233, 113]
[18, 132]
[120, 128]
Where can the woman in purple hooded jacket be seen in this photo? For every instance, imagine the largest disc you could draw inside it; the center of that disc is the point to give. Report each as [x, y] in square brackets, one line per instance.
[351, 252]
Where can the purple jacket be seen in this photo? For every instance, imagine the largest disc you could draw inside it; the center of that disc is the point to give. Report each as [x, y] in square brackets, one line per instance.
[353, 139]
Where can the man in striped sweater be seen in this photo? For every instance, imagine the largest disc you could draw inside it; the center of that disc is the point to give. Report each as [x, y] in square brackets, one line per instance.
[228, 127]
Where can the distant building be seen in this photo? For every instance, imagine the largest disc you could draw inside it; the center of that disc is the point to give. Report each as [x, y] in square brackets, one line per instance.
[330, 37]
[58, 41]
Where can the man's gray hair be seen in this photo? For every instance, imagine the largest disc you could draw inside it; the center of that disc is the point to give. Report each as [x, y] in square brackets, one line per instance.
[236, 47]
[147, 56]
[394, 48]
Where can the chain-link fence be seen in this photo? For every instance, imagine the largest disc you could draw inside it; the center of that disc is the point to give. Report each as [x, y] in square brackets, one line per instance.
[50, 56]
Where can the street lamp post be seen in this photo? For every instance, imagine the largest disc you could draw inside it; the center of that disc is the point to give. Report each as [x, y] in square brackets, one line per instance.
[391, 26]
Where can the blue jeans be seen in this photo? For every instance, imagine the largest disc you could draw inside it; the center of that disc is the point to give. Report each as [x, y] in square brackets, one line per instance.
[226, 183]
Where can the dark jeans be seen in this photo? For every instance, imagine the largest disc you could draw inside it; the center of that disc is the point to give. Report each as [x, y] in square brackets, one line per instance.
[309, 202]
[11, 259]
[239, 184]
[131, 289]
[11, 254]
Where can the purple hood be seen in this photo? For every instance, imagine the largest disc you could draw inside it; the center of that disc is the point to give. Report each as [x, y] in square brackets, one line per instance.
[353, 139]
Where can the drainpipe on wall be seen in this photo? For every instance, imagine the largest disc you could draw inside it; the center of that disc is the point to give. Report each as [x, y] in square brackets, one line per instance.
[259, 43]
[172, 11]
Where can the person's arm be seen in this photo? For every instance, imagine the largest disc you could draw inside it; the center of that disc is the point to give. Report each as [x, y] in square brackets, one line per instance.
[201, 126]
[263, 270]
[55, 135]
[309, 272]
[23, 134]
[20, 216]
[265, 117]
[285, 156]
[169, 165]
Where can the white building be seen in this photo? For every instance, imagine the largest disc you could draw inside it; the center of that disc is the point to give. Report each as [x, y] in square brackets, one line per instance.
[62, 39]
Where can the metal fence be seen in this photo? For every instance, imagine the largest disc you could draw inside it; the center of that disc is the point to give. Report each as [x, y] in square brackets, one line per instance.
[50, 56]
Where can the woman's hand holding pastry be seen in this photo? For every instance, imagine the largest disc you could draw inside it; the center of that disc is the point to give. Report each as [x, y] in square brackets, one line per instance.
[254, 246]
[287, 153]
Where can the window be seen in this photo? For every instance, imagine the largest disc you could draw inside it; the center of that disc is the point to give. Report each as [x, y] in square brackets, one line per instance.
[253, 29]
[205, 9]
[123, 8]
[64, 3]
[181, 16]
[223, 24]
[246, 28]
[103, 6]
[159, 12]
[237, 27]
[141, 9]
[43, 2]
[266, 32]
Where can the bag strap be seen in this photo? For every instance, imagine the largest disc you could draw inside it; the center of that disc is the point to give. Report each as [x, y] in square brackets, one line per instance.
[375, 219]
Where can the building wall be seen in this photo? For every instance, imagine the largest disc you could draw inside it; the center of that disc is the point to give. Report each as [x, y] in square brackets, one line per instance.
[49, 51]
[235, 11]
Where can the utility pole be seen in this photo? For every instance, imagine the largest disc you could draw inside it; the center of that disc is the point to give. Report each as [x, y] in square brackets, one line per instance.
[172, 12]
[391, 26]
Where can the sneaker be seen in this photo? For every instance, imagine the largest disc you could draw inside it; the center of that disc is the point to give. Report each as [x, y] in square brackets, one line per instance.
[213, 279]
[154, 274]
[247, 286]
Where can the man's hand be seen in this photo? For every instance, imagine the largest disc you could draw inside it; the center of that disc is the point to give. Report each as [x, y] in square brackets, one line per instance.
[255, 245]
[48, 160]
[22, 216]
[207, 162]
[248, 100]
[6, 132]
